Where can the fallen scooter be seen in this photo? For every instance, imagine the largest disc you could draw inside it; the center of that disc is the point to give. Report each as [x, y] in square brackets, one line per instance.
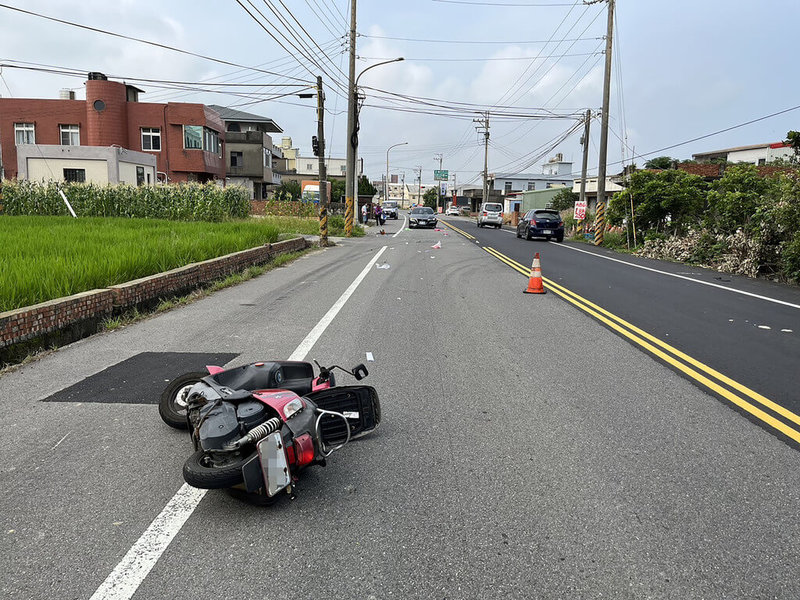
[255, 427]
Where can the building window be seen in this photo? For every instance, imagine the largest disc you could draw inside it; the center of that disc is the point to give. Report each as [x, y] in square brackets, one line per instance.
[531, 185]
[344, 169]
[309, 166]
[762, 162]
[193, 137]
[237, 159]
[75, 175]
[139, 175]
[507, 186]
[24, 133]
[197, 137]
[210, 140]
[151, 138]
[70, 135]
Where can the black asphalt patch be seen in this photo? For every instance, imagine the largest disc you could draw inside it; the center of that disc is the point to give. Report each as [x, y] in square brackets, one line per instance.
[139, 379]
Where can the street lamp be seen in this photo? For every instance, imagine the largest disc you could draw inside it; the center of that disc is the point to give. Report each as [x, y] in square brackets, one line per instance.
[386, 188]
[351, 179]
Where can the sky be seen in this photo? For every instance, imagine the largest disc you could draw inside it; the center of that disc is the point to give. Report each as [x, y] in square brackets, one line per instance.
[681, 70]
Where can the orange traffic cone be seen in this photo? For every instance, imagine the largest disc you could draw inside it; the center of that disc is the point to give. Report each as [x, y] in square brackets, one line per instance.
[535, 283]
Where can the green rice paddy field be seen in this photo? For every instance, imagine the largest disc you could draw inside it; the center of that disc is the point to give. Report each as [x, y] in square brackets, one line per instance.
[42, 258]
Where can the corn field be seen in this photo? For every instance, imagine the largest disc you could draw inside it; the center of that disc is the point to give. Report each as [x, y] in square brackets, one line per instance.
[181, 202]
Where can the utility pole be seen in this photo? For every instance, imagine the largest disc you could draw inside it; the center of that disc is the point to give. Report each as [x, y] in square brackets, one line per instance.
[455, 190]
[419, 179]
[585, 143]
[351, 178]
[600, 211]
[323, 188]
[438, 182]
[483, 124]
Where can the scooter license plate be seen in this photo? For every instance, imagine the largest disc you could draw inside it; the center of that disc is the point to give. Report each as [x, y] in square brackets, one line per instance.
[274, 464]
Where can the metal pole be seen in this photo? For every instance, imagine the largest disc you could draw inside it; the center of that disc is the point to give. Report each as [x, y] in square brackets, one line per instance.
[600, 218]
[585, 143]
[351, 177]
[323, 188]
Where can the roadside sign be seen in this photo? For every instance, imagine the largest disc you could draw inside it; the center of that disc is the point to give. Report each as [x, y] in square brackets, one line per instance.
[580, 210]
[441, 175]
[443, 188]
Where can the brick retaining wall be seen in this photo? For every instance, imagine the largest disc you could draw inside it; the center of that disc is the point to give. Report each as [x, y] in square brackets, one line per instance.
[82, 312]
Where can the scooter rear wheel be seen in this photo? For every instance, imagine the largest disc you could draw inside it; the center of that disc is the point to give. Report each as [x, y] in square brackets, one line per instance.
[199, 473]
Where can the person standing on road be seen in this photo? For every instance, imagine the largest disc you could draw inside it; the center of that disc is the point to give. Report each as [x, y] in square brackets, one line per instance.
[378, 214]
[364, 213]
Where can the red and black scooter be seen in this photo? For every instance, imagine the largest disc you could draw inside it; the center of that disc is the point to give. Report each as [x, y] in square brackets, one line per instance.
[255, 427]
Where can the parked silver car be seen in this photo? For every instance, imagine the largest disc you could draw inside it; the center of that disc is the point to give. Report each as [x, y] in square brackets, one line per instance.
[491, 213]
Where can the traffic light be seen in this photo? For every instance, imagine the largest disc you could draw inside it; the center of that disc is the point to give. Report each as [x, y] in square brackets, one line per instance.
[315, 145]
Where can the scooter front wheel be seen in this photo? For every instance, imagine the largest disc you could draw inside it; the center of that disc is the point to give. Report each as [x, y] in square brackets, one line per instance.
[198, 472]
[172, 404]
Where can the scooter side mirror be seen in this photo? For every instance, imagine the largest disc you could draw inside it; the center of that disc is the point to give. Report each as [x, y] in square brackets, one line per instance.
[360, 372]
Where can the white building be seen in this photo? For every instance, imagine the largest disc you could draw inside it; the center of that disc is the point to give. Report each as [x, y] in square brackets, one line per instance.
[555, 173]
[85, 164]
[757, 154]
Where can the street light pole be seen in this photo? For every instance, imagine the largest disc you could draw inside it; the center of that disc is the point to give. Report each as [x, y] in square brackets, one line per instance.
[386, 188]
[351, 177]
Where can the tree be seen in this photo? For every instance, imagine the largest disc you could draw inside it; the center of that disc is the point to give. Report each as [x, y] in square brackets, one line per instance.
[564, 199]
[365, 188]
[659, 198]
[659, 162]
[431, 197]
[288, 190]
[337, 190]
[793, 139]
[735, 198]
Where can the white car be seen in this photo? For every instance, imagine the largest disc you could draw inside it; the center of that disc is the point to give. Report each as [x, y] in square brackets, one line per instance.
[453, 211]
[491, 214]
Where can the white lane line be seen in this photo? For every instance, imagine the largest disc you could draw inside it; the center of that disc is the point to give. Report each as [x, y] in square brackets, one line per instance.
[716, 285]
[59, 441]
[401, 229]
[131, 571]
[128, 575]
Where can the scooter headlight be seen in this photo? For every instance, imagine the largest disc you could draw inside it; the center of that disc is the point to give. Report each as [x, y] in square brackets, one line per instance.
[290, 409]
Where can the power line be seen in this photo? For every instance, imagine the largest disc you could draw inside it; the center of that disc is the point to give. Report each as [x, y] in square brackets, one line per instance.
[158, 45]
[482, 59]
[441, 41]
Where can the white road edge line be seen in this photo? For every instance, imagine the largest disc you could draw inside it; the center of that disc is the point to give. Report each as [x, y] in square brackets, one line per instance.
[716, 285]
[401, 229]
[131, 571]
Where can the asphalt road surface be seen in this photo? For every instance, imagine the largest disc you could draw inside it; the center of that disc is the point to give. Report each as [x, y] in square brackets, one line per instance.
[527, 450]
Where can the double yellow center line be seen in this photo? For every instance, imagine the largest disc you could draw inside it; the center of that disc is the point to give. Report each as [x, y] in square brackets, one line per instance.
[762, 408]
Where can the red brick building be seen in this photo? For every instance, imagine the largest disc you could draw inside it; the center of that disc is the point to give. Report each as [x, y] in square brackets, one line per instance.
[186, 139]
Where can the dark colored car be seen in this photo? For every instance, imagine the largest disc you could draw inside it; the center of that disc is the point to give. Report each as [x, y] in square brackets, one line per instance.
[540, 222]
[421, 216]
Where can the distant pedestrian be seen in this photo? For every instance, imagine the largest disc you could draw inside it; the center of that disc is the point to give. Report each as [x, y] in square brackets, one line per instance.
[364, 213]
[378, 215]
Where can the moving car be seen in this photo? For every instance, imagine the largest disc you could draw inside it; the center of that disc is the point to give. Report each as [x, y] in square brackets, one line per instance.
[421, 216]
[540, 222]
[389, 209]
[452, 211]
[491, 213]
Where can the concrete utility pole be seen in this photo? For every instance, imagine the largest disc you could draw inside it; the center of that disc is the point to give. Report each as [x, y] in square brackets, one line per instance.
[585, 143]
[600, 211]
[439, 183]
[351, 178]
[419, 189]
[483, 124]
[323, 188]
